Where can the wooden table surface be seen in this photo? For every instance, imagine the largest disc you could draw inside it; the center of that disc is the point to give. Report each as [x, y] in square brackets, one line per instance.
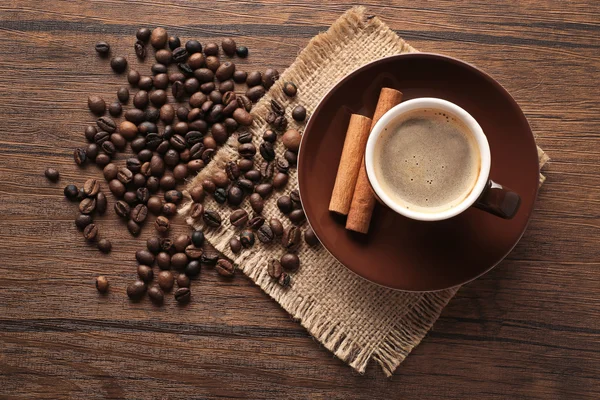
[528, 329]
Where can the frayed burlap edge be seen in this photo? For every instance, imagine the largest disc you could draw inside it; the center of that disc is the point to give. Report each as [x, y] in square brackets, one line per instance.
[422, 309]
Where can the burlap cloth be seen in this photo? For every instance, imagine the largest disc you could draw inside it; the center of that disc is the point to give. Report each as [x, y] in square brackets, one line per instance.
[355, 319]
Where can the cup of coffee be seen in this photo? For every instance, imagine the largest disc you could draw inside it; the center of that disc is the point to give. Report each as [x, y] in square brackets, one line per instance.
[429, 160]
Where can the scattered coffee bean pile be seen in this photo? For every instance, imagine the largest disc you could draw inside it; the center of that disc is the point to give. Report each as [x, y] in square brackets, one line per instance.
[171, 141]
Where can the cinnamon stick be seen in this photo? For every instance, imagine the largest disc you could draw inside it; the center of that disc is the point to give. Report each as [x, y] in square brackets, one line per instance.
[363, 200]
[354, 148]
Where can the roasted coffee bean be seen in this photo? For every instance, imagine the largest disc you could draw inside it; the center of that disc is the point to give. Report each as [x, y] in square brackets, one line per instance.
[291, 157]
[290, 262]
[161, 81]
[198, 238]
[115, 109]
[194, 114]
[240, 76]
[226, 86]
[180, 128]
[191, 85]
[144, 257]
[207, 155]
[102, 160]
[96, 105]
[118, 64]
[297, 216]
[166, 244]
[101, 203]
[216, 112]
[235, 245]
[162, 224]
[173, 196]
[213, 63]
[145, 273]
[246, 185]
[209, 257]
[274, 269]
[158, 97]
[256, 202]
[235, 195]
[299, 113]
[256, 222]
[165, 280]
[183, 281]
[171, 157]
[136, 290]
[220, 195]
[244, 102]
[199, 125]
[179, 261]
[277, 107]
[180, 54]
[209, 186]
[196, 60]
[291, 139]
[123, 94]
[247, 238]
[191, 138]
[245, 138]
[238, 217]
[212, 218]
[83, 220]
[124, 175]
[220, 179]
[197, 210]
[118, 140]
[295, 198]
[128, 128]
[245, 165]
[90, 132]
[167, 113]
[276, 227]
[267, 151]
[51, 174]
[185, 69]
[102, 48]
[92, 151]
[109, 148]
[180, 172]
[285, 204]
[271, 117]
[196, 151]
[193, 252]
[280, 180]
[158, 69]
[156, 295]
[290, 89]
[104, 245]
[270, 77]
[139, 213]
[140, 100]
[282, 165]
[163, 260]
[255, 93]
[247, 150]
[155, 205]
[178, 142]
[80, 157]
[90, 232]
[130, 198]
[219, 133]
[183, 295]
[291, 238]
[71, 192]
[269, 136]
[310, 238]
[143, 34]
[133, 77]
[133, 227]
[152, 115]
[153, 244]
[140, 49]
[81, 195]
[193, 46]
[232, 170]
[178, 90]
[204, 75]
[101, 137]
[264, 189]
[284, 280]
[265, 234]
[254, 78]
[87, 205]
[280, 123]
[102, 284]
[117, 188]
[169, 209]
[211, 49]
[157, 166]
[152, 184]
[225, 71]
[133, 164]
[192, 269]
[145, 83]
[158, 38]
[181, 242]
[242, 51]
[225, 268]
[182, 113]
[228, 45]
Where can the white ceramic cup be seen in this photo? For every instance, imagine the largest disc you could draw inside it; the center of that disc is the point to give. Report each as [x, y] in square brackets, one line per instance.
[486, 194]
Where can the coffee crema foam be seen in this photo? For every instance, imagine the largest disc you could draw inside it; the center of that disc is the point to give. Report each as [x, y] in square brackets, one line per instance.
[427, 161]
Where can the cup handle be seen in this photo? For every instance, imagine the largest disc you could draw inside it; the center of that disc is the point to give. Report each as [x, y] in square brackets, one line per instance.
[498, 200]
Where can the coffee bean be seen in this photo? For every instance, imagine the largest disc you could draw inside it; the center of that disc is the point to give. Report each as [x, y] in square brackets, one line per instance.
[244, 102]
[254, 78]
[158, 38]
[229, 46]
[178, 90]
[216, 112]
[238, 217]
[179, 261]
[140, 100]
[158, 97]
[225, 71]
[291, 238]
[245, 165]
[180, 54]
[291, 157]
[80, 157]
[145, 83]
[209, 186]
[226, 86]
[183, 281]
[282, 165]
[157, 166]
[81, 195]
[118, 141]
[133, 77]
[104, 245]
[291, 139]
[115, 109]
[265, 234]
[102, 284]
[139, 49]
[277, 107]
[255, 93]
[242, 51]
[139, 213]
[181, 242]
[235, 196]
[109, 148]
[166, 244]
[220, 195]
[90, 232]
[92, 151]
[247, 238]
[101, 203]
[219, 133]
[156, 295]
[197, 238]
[180, 172]
[173, 196]
[267, 151]
[71, 192]
[152, 184]
[207, 155]
[101, 137]
[130, 198]
[193, 46]
[269, 136]
[83, 220]
[245, 138]
[196, 60]
[295, 198]
[90, 132]
[158, 69]
[193, 252]
[276, 227]
[297, 216]
[171, 157]
[204, 75]
[144, 257]
[136, 290]
[240, 76]
[284, 280]
[290, 89]
[117, 188]
[280, 180]
[154, 205]
[225, 268]
[102, 48]
[169, 209]
[290, 262]
[124, 175]
[162, 224]
[299, 113]
[235, 245]
[256, 222]
[133, 227]
[246, 150]
[163, 260]
[165, 280]
[102, 160]
[145, 273]
[183, 295]
[87, 206]
[143, 34]
[270, 77]
[264, 189]
[212, 218]
[153, 244]
[209, 257]
[192, 269]
[256, 202]
[280, 123]
[118, 64]
[274, 269]
[161, 81]
[185, 69]
[96, 105]
[246, 185]
[52, 174]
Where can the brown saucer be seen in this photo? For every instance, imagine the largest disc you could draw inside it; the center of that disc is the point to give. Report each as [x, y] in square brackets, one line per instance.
[400, 253]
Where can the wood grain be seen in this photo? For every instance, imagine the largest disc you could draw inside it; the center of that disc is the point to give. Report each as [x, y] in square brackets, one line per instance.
[528, 329]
